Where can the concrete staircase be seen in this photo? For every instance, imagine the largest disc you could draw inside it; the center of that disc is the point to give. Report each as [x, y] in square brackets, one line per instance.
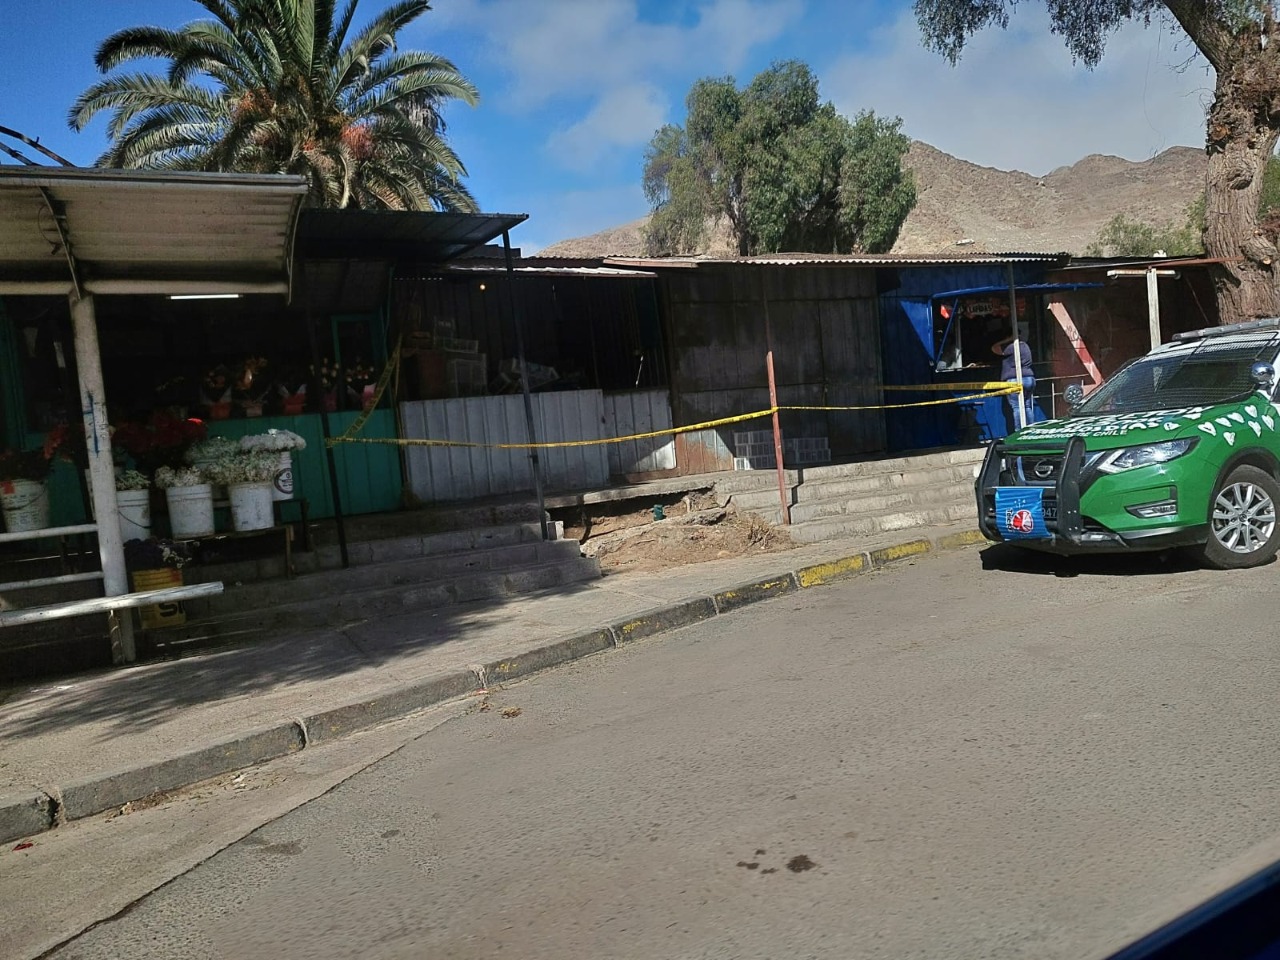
[424, 565]
[864, 498]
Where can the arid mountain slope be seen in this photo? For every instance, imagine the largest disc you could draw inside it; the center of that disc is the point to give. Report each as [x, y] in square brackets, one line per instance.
[965, 207]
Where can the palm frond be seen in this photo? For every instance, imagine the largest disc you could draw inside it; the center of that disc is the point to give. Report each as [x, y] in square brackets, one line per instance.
[134, 43]
[379, 35]
[338, 36]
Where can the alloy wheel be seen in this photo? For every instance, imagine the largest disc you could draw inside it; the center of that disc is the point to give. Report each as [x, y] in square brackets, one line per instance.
[1244, 517]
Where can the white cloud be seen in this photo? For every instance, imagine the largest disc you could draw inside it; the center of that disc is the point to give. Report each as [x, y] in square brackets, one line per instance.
[624, 117]
[1016, 101]
[584, 48]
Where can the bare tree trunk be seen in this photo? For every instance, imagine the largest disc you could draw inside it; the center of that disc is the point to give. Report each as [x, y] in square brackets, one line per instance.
[1244, 123]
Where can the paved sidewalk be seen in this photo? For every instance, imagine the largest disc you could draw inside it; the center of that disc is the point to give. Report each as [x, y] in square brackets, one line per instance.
[76, 747]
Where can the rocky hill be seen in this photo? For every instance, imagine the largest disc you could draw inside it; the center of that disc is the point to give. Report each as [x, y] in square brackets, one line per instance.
[965, 207]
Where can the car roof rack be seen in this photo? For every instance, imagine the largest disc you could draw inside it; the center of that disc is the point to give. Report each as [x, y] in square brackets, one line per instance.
[1248, 326]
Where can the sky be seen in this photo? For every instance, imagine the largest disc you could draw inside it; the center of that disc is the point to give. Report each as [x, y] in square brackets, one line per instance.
[573, 90]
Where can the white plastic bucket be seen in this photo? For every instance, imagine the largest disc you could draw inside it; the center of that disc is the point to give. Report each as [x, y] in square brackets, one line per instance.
[190, 510]
[134, 509]
[251, 506]
[25, 504]
[282, 483]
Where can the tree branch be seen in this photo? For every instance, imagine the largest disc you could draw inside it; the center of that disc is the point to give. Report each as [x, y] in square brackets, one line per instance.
[1208, 32]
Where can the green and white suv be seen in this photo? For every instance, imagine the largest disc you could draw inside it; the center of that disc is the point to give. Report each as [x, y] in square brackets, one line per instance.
[1180, 448]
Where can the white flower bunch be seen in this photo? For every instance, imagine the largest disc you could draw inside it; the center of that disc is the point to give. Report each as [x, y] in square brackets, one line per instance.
[211, 448]
[256, 467]
[272, 441]
[132, 480]
[167, 477]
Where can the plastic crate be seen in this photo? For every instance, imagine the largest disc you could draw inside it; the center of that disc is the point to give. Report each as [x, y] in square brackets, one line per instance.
[467, 378]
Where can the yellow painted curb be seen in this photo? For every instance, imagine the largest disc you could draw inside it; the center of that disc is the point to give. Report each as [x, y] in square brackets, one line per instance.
[965, 538]
[821, 573]
[899, 551]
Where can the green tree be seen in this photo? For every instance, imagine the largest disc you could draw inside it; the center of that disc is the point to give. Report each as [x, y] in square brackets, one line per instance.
[1241, 41]
[1123, 236]
[286, 86]
[785, 170]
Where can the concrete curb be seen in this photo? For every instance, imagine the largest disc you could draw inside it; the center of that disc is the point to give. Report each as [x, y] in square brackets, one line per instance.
[26, 815]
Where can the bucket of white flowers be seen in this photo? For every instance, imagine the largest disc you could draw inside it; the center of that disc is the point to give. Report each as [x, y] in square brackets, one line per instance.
[247, 477]
[280, 444]
[189, 496]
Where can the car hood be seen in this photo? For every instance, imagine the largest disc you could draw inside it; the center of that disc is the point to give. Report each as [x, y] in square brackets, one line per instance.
[1231, 423]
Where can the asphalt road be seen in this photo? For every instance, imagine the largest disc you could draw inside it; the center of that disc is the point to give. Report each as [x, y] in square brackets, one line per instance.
[941, 760]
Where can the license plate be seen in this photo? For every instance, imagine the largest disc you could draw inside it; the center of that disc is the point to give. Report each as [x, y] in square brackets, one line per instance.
[1020, 513]
[1051, 509]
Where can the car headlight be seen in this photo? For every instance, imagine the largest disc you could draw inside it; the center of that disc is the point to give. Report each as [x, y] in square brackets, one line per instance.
[1130, 458]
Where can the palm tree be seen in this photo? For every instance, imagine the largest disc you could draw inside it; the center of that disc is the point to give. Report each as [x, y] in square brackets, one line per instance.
[279, 86]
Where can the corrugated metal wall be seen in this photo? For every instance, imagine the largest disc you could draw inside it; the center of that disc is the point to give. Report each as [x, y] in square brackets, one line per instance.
[601, 333]
[640, 411]
[826, 338]
[462, 473]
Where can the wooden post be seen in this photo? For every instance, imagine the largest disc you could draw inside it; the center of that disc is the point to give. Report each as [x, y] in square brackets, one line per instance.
[102, 475]
[1152, 274]
[1153, 306]
[773, 402]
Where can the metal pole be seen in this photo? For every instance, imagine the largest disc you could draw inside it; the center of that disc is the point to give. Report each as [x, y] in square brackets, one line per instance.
[1020, 417]
[773, 402]
[1153, 306]
[524, 383]
[102, 475]
[339, 522]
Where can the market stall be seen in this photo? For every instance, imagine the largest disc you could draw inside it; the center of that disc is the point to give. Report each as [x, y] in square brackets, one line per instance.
[75, 237]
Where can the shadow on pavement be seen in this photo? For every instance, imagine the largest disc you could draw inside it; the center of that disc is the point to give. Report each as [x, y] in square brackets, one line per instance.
[1012, 559]
[131, 699]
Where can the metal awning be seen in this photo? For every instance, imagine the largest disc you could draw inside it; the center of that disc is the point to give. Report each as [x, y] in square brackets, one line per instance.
[1020, 288]
[398, 235]
[90, 230]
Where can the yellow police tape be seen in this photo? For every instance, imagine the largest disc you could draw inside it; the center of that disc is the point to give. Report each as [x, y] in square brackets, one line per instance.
[993, 389]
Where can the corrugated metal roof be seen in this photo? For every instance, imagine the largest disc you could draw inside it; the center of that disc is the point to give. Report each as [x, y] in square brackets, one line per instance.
[491, 268]
[398, 235]
[840, 259]
[130, 231]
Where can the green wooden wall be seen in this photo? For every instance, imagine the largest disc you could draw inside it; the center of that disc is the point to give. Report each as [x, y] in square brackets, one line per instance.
[369, 478]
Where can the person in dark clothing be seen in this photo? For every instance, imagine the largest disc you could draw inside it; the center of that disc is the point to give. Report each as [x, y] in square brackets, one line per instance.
[1011, 350]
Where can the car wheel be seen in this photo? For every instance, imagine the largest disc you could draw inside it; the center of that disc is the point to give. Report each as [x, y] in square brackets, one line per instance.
[1242, 520]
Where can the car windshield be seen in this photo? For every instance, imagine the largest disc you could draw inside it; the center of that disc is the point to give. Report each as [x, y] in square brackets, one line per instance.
[1213, 373]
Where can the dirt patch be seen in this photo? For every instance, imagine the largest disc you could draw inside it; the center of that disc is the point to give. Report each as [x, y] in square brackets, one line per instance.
[689, 529]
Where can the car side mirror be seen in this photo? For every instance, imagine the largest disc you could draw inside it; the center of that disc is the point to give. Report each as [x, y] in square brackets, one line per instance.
[1263, 375]
[1073, 395]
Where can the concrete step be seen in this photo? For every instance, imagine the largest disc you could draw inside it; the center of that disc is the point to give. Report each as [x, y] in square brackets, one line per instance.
[960, 475]
[864, 525]
[425, 521]
[241, 625]
[921, 498]
[905, 499]
[755, 480]
[363, 552]
[392, 573]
